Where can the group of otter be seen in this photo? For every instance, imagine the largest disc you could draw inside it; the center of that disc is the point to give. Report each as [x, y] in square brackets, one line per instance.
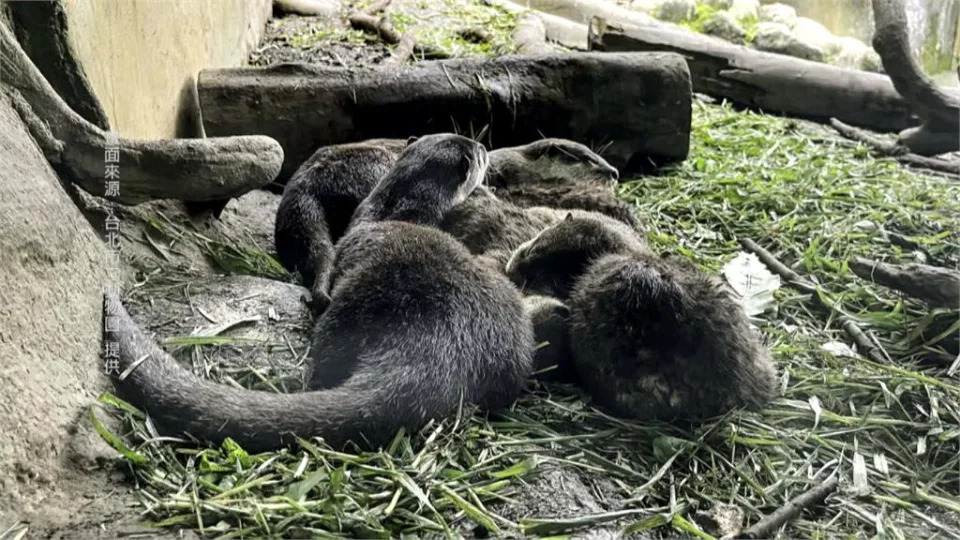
[436, 268]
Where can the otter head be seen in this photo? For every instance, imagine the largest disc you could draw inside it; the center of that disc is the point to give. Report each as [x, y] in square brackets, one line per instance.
[552, 261]
[432, 174]
[451, 164]
[549, 161]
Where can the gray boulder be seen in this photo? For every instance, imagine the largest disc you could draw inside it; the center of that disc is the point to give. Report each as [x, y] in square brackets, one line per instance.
[777, 38]
[725, 26]
[675, 10]
[778, 13]
[815, 34]
[745, 9]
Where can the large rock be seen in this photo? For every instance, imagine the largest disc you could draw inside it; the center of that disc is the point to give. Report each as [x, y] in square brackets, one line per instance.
[675, 10]
[855, 54]
[724, 26]
[745, 9]
[777, 38]
[815, 34]
[778, 13]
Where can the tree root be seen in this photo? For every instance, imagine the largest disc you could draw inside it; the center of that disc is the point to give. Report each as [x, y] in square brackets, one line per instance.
[142, 170]
[940, 108]
[897, 150]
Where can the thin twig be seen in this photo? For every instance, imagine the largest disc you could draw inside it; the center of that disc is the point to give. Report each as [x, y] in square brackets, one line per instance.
[867, 344]
[766, 527]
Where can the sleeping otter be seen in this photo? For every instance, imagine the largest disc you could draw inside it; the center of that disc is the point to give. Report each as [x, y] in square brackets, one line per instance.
[415, 327]
[324, 192]
[651, 337]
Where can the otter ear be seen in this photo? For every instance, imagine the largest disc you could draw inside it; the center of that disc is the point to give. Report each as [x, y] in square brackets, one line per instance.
[411, 140]
[569, 216]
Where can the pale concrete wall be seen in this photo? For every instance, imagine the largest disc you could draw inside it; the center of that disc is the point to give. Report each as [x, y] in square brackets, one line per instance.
[142, 56]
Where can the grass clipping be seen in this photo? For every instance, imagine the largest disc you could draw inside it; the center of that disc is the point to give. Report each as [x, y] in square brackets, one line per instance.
[889, 431]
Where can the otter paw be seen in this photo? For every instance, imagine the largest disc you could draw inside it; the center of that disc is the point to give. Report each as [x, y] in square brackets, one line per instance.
[318, 301]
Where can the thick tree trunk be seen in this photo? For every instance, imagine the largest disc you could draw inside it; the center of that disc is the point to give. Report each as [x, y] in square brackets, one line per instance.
[635, 105]
[939, 107]
[766, 81]
[53, 268]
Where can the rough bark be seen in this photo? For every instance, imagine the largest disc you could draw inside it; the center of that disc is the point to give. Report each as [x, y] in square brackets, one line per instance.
[939, 107]
[41, 28]
[638, 105]
[766, 81]
[934, 285]
[187, 169]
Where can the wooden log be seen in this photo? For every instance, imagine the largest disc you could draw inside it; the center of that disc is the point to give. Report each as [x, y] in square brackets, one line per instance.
[570, 34]
[531, 36]
[636, 105]
[770, 82]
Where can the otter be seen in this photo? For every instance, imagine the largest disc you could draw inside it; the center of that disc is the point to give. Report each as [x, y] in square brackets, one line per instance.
[318, 202]
[652, 337]
[558, 173]
[323, 193]
[415, 328]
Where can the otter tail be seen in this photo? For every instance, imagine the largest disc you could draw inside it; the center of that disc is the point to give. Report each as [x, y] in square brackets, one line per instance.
[180, 402]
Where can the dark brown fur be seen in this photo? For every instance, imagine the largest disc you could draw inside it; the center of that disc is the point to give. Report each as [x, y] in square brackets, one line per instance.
[322, 195]
[415, 327]
[652, 337]
[319, 201]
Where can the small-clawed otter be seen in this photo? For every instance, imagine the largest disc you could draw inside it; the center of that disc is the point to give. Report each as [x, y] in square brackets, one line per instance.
[322, 195]
[651, 337]
[319, 201]
[415, 327]
[558, 173]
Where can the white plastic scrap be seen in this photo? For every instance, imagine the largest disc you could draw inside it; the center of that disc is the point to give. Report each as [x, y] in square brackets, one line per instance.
[751, 279]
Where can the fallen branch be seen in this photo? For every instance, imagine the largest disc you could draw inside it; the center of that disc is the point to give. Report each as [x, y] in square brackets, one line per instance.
[186, 169]
[310, 8]
[381, 27]
[867, 345]
[934, 285]
[767, 527]
[766, 81]
[896, 151]
[403, 51]
[939, 108]
[531, 36]
[570, 34]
